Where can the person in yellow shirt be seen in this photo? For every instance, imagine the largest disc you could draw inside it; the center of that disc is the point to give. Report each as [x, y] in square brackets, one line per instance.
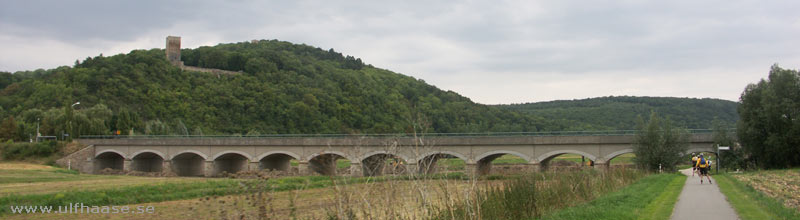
[694, 164]
[702, 165]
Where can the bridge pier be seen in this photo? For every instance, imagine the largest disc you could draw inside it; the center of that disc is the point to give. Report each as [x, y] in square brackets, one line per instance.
[253, 166]
[356, 170]
[208, 168]
[534, 167]
[166, 166]
[302, 168]
[126, 165]
[411, 169]
[471, 169]
[602, 166]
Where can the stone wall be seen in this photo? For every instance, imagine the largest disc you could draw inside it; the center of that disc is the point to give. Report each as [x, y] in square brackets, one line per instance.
[207, 70]
[81, 160]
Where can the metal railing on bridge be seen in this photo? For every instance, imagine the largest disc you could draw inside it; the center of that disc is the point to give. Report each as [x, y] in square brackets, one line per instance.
[482, 134]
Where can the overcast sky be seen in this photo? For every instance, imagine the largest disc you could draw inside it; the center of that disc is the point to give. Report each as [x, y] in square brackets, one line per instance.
[490, 51]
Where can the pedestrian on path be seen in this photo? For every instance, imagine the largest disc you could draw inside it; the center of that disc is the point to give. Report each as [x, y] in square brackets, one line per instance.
[694, 164]
[702, 165]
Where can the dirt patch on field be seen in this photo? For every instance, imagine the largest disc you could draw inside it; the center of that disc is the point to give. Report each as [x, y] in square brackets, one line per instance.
[783, 185]
[23, 166]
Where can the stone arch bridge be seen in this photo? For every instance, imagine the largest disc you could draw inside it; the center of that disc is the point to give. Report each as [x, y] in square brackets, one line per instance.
[209, 156]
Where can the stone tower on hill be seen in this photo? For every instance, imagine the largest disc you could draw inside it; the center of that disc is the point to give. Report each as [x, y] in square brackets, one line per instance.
[174, 50]
[174, 57]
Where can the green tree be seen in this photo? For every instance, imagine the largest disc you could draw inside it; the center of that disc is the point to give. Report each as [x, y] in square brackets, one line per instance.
[8, 129]
[769, 128]
[659, 143]
[723, 136]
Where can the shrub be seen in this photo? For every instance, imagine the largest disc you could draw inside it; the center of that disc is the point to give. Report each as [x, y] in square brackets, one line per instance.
[19, 151]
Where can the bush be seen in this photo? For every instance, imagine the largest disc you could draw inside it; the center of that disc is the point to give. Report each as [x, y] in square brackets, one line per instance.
[19, 151]
[659, 143]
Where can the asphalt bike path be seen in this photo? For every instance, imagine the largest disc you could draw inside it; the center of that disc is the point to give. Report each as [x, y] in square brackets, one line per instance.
[702, 201]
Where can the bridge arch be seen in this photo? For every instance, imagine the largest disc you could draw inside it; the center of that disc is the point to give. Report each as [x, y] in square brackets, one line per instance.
[230, 161]
[460, 156]
[123, 155]
[373, 153]
[496, 152]
[162, 155]
[338, 153]
[109, 159]
[426, 163]
[552, 154]
[484, 161]
[612, 155]
[699, 150]
[147, 161]
[276, 160]
[188, 163]
[198, 153]
[377, 163]
[291, 154]
[325, 162]
[243, 154]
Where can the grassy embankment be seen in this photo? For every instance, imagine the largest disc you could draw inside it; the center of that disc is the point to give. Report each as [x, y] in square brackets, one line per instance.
[545, 194]
[763, 194]
[652, 197]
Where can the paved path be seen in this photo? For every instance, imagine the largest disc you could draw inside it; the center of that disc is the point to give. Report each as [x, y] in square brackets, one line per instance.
[704, 201]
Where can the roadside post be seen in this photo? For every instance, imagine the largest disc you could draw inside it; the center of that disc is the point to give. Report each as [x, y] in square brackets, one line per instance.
[719, 148]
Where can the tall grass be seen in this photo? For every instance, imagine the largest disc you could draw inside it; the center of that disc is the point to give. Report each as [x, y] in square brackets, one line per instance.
[535, 195]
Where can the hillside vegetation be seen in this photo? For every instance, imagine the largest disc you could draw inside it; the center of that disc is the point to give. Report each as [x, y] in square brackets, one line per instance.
[285, 88]
[620, 112]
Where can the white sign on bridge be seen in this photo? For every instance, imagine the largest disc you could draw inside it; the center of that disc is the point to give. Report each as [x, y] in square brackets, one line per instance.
[724, 148]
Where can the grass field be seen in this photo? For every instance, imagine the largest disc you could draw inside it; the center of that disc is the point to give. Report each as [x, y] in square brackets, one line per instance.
[762, 194]
[41, 185]
[652, 197]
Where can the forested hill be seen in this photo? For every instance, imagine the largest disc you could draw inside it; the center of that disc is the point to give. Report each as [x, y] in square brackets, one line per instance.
[621, 112]
[284, 88]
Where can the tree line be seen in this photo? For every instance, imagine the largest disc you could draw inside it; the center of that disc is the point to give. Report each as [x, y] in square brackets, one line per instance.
[767, 134]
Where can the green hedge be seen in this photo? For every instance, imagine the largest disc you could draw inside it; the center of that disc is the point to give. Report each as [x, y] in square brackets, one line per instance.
[23, 150]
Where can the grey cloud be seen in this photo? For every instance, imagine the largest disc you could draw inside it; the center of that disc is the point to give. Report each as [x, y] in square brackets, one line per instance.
[441, 39]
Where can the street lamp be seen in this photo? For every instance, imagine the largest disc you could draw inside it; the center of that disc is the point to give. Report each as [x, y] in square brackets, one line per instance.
[73, 117]
[37, 130]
